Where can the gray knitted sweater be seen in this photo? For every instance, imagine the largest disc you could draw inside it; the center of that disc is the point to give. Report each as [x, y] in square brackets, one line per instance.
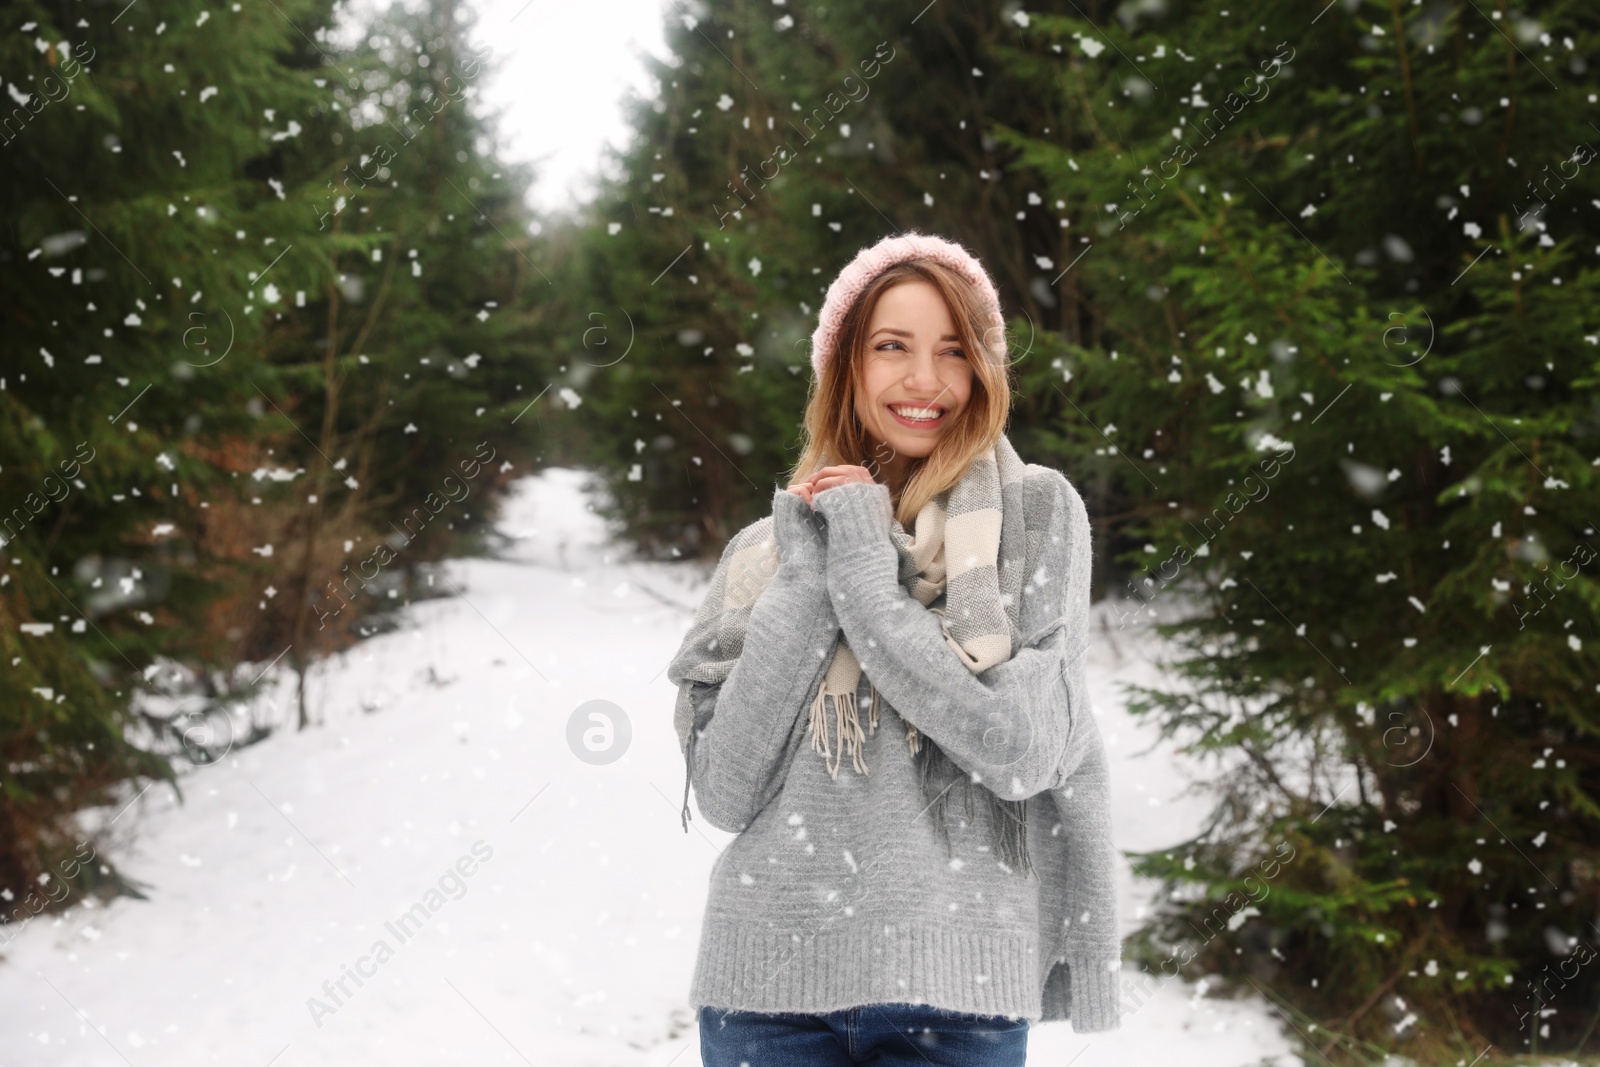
[839, 892]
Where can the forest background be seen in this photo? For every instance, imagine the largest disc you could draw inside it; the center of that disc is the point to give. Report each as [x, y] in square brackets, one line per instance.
[1301, 297]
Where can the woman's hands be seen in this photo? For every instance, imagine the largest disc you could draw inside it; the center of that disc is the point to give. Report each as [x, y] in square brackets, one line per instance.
[828, 477]
[798, 530]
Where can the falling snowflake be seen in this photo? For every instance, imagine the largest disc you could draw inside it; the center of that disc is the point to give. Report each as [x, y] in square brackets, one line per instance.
[1267, 440]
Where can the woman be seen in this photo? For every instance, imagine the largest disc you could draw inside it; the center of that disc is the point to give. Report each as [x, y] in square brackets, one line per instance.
[855, 918]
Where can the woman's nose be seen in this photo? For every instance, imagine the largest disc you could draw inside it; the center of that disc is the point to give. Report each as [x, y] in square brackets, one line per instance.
[923, 371]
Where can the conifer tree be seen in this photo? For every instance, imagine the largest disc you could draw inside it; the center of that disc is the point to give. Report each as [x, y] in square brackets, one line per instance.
[124, 169]
[242, 350]
[782, 142]
[1307, 294]
[404, 366]
[1348, 377]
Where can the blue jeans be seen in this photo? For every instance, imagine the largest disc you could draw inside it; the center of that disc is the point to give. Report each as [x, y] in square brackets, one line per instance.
[884, 1035]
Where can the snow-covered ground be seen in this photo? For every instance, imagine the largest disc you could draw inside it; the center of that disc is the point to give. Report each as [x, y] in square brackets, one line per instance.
[563, 898]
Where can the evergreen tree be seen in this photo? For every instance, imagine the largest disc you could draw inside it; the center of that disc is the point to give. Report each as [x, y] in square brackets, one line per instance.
[403, 370]
[1348, 378]
[125, 175]
[1294, 309]
[780, 143]
[244, 349]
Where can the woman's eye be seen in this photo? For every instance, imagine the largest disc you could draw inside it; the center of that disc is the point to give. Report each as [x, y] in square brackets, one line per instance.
[884, 346]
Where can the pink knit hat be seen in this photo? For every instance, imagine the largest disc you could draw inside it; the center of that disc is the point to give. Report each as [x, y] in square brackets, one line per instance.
[871, 262]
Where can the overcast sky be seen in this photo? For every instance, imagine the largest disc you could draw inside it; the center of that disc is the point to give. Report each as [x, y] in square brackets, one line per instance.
[564, 70]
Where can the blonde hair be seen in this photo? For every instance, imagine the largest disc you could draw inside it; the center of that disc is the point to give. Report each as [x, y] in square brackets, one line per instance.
[832, 432]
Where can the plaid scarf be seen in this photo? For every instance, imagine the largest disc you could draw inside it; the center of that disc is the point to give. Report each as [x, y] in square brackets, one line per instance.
[954, 553]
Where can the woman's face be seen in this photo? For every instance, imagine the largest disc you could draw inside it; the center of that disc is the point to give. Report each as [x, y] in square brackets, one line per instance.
[914, 366]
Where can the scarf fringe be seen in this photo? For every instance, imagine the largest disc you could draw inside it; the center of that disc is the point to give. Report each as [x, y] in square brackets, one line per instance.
[1010, 817]
[847, 733]
[923, 562]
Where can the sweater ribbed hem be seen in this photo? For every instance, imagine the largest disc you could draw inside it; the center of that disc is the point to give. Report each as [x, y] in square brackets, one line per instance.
[1096, 993]
[753, 969]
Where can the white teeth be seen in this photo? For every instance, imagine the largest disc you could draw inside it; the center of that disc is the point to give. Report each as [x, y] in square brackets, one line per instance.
[925, 414]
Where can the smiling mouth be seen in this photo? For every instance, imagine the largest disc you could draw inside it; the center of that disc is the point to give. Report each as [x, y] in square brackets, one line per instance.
[917, 415]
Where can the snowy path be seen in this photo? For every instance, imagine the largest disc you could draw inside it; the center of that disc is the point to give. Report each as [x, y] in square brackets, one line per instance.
[571, 897]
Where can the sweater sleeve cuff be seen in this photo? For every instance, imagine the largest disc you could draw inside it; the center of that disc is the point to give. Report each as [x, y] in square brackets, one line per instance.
[1096, 989]
[858, 513]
